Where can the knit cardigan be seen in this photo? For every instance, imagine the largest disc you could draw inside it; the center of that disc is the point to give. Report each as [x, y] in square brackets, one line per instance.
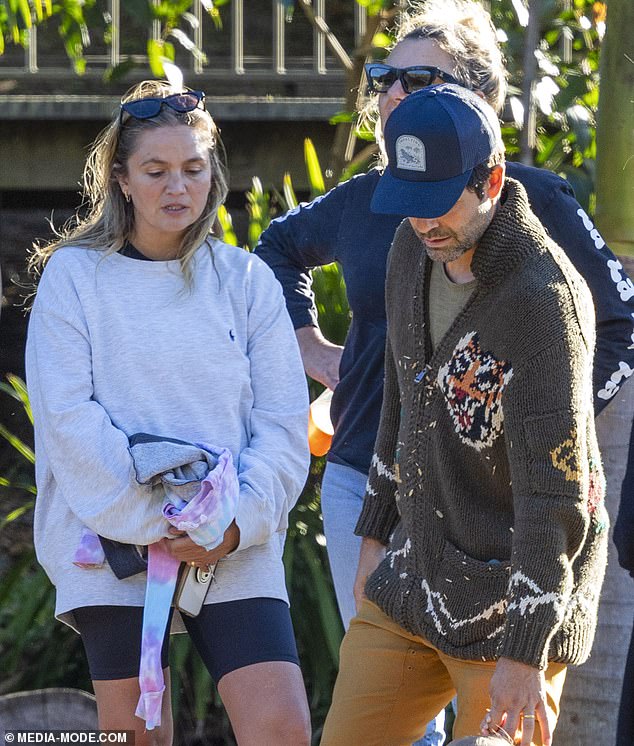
[486, 480]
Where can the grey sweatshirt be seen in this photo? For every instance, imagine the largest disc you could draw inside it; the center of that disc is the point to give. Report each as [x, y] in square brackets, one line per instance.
[118, 346]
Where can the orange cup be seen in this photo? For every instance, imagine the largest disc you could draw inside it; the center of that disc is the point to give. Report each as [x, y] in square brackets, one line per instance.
[320, 429]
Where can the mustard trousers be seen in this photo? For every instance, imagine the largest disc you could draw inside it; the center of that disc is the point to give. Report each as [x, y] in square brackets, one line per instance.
[391, 683]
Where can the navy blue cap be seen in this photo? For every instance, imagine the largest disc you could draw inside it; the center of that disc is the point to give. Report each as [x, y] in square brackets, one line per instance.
[434, 139]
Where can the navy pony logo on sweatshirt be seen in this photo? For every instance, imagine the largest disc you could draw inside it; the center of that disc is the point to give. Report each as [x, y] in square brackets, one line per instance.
[473, 382]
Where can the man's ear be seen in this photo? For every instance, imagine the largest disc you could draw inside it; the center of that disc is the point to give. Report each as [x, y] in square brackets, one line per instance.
[496, 181]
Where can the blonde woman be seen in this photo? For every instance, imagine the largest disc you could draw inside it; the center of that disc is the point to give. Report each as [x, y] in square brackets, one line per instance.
[145, 323]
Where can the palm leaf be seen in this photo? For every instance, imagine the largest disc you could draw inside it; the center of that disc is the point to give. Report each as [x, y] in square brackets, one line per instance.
[18, 444]
[315, 175]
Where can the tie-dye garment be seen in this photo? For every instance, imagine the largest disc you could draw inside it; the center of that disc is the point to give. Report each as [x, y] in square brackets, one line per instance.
[161, 581]
[89, 554]
[208, 514]
[205, 518]
[201, 498]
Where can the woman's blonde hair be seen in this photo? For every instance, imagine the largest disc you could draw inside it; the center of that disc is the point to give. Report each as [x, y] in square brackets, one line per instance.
[109, 221]
[464, 30]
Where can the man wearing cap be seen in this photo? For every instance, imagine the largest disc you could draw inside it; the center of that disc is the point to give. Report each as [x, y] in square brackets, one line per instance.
[484, 530]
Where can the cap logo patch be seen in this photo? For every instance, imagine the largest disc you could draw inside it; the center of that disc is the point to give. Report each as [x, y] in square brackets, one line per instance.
[410, 153]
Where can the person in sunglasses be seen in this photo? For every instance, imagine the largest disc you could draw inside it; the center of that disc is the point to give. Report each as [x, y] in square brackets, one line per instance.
[145, 322]
[442, 41]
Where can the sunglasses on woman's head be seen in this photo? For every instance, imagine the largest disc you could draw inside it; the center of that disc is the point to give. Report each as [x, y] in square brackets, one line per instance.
[146, 108]
[382, 77]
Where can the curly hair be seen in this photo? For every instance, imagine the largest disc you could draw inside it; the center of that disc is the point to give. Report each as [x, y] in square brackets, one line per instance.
[480, 174]
[109, 220]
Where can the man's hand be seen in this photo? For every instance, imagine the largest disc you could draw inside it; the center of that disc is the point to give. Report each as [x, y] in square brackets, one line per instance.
[321, 358]
[518, 698]
[371, 555]
[184, 549]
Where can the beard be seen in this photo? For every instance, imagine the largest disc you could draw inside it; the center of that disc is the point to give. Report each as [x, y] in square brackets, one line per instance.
[460, 243]
[449, 253]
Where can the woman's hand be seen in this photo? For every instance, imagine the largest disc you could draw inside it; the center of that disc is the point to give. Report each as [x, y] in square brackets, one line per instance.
[185, 550]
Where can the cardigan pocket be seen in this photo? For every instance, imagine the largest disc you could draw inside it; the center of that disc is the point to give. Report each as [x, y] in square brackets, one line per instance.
[470, 596]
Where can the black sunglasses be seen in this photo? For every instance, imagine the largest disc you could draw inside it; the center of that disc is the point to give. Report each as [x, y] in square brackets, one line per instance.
[382, 77]
[146, 108]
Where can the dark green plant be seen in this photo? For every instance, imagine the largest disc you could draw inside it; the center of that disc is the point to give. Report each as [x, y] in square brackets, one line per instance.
[17, 17]
[27, 598]
[17, 481]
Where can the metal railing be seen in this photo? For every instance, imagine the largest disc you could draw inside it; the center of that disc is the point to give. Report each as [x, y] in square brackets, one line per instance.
[232, 58]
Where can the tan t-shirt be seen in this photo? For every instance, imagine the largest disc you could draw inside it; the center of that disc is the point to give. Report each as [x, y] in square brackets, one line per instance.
[446, 300]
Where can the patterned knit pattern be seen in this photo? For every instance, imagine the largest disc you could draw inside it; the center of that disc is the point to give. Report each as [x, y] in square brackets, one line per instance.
[473, 382]
[497, 532]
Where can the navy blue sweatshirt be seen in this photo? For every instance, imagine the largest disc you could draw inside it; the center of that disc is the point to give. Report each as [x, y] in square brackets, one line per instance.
[339, 226]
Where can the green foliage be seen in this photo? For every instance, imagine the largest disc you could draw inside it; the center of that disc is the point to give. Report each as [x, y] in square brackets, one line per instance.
[159, 52]
[18, 16]
[23, 482]
[226, 225]
[176, 22]
[566, 88]
[27, 599]
[171, 14]
[375, 6]
[342, 116]
[315, 175]
[381, 40]
[258, 210]
[72, 16]
[262, 206]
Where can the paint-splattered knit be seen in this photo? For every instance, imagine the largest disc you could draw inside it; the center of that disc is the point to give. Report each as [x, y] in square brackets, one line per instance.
[486, 480]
